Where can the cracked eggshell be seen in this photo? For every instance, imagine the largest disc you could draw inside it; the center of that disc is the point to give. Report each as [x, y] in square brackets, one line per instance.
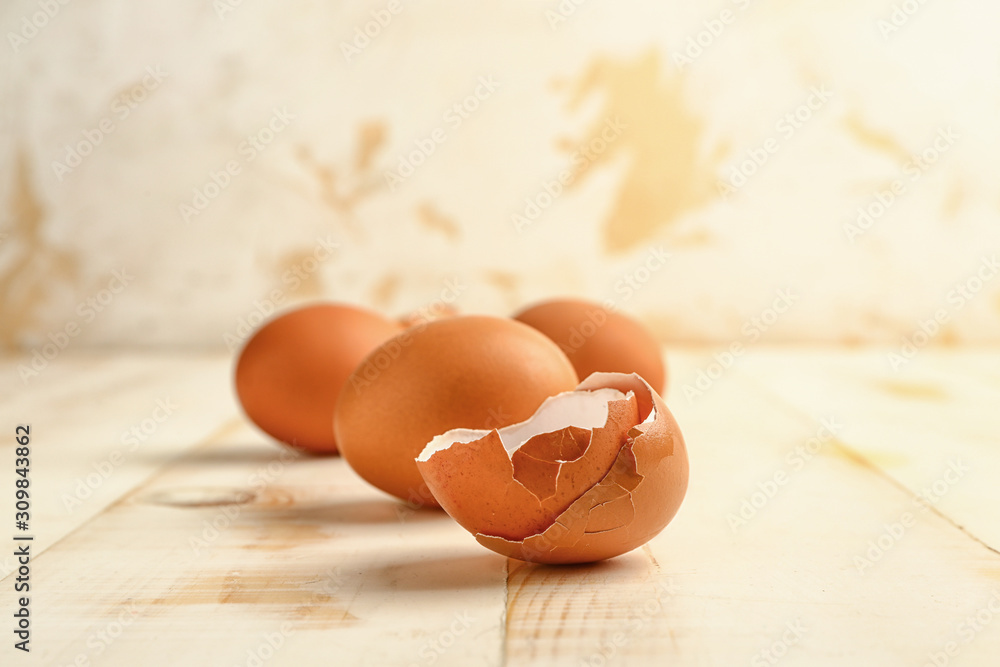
[289, 373]
[459, 372]
[594, 473]
[599, 340]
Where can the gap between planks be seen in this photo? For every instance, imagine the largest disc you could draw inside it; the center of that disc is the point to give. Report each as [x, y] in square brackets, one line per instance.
[222, 431]
[866, 463]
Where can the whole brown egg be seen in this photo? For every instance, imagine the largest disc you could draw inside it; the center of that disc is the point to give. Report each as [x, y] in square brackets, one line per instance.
[469, 372]
[291, 370]
[598, 339]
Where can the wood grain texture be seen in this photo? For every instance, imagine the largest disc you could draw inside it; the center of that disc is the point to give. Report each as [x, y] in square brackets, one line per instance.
[82, 410]
[210, 545]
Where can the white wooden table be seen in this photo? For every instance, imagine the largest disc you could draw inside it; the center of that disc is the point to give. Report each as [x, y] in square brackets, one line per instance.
[195, 541]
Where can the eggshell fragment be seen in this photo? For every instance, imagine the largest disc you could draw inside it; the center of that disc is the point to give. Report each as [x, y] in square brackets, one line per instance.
[594, 473]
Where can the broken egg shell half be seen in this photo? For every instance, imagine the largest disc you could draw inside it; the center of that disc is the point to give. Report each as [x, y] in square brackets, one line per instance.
[594, 473]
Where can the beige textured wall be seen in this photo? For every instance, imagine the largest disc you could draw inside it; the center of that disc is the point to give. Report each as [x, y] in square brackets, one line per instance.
[612, 122]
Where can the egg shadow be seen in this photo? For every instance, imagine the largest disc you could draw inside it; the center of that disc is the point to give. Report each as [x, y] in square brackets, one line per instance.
[244, 453]
[631, 566]
[438, 573]
[359, 511]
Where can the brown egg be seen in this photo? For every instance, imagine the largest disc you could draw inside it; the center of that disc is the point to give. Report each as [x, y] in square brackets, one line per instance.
[599, 340]
[593, 474]
[459, 372]
[290, 372]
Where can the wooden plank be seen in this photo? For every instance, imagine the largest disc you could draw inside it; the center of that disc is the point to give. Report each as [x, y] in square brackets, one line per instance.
[211, 547]
[931, 425]
[101, 425]
[233, 551]
[787, 581]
